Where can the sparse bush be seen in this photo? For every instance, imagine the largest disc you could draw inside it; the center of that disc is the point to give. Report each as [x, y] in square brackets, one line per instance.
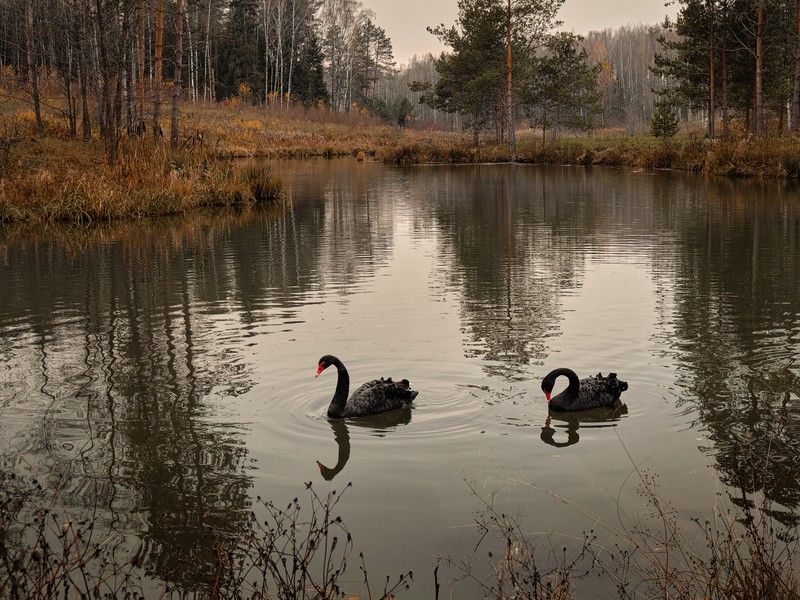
[791, 162]
[10, 136]
[746, 552]
[511, 558]
[291, 554]
[294, 554]
[45, 553]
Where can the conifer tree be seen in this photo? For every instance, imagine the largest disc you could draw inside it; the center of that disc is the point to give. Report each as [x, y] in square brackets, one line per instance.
[492, 43]
[665, 120]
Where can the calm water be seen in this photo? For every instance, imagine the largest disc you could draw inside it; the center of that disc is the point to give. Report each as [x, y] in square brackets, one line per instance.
[160, 375]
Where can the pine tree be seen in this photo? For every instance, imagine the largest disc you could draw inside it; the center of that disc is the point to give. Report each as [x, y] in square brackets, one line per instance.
[309, 72]
[555, 100]
[665, 120]
[493, 44]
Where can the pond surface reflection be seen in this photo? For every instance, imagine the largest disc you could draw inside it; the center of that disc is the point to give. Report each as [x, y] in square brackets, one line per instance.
[160, 375]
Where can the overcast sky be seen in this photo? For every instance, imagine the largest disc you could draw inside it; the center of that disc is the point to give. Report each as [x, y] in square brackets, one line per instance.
[405, 20]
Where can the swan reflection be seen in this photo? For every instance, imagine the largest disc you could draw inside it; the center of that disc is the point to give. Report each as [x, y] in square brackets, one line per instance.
[380, 424]
[599, 417]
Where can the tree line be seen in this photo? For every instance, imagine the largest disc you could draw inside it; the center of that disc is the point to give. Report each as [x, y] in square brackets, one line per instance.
[720, 60]
[124, 66]
[117, 64]
[735, 59]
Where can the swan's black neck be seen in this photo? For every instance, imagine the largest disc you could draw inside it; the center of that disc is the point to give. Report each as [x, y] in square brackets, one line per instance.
[339, 400]
[569, 395]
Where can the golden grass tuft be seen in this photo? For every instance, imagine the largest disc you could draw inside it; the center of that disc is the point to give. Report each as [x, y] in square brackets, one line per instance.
[148, 180]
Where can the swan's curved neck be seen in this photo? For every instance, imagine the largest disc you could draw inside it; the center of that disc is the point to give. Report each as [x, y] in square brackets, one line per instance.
[569, 395]
[339, 400]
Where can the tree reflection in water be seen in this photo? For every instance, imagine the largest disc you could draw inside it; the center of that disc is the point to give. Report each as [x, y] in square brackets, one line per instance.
[736, 290]
[121, 365]
[122, 343]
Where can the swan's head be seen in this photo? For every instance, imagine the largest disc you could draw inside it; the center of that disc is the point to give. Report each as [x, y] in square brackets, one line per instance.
[547, 386]
[325, 362]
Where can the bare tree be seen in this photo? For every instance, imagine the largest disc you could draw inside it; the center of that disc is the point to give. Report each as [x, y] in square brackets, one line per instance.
[759, 73]
[795, 115]
[141, 52]
[159, 62]
[626, 81]
[33, 67]
[176, 88]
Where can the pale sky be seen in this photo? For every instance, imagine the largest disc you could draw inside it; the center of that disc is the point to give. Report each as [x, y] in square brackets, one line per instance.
[405, 20]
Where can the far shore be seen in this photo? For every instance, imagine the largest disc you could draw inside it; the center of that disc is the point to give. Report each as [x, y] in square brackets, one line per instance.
[61, 179]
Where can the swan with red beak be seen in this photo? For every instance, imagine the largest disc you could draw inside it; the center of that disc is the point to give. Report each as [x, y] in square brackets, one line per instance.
[376, 396]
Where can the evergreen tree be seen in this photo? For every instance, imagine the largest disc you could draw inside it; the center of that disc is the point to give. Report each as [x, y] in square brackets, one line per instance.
[309, 72]
[375, 59]
[239, 64]
[562, 88]
[665, 120]
[492, 46]
[471, 77]
[403, 112]
[732, 54]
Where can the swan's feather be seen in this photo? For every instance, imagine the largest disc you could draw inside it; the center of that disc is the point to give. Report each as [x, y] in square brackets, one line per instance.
[378, 396]
[598, 391]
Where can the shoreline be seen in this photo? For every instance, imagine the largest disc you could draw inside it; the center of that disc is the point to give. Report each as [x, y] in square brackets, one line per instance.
[60, 179]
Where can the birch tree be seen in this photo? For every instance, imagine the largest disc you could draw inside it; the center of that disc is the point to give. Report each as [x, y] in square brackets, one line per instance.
[158, 59]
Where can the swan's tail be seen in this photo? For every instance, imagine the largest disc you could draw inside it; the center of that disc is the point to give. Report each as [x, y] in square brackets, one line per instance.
[623, 385]
[615, 386]
[405, 385]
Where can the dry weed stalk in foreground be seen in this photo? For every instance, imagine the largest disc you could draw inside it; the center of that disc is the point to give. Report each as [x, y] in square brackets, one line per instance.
[290, 553]
[514, 571]
[746, 554]
[295, 554]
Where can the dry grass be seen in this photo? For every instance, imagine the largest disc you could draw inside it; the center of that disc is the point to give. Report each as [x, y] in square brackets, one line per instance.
[61, 181]
[59, 178]
[288, 132]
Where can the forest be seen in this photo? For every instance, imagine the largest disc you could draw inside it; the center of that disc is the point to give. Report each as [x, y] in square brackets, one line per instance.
[109, 70]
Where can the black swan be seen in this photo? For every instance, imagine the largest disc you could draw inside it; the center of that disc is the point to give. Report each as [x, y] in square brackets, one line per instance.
[584, 394]
[377, 396]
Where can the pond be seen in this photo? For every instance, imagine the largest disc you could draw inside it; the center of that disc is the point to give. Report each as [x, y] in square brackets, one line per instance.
[158, 376]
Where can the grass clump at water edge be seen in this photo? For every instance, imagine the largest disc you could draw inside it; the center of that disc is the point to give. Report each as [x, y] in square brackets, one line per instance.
[148, 181]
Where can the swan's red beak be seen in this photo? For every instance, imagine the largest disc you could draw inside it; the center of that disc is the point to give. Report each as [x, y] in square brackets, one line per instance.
[547, 395]
[320, 369]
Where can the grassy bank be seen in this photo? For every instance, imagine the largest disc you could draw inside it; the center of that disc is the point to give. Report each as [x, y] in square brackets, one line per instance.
[59, 181]
[59, 178]
[743, 157]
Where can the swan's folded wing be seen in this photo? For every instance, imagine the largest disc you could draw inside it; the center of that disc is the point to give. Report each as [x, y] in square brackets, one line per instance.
[380, 395]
